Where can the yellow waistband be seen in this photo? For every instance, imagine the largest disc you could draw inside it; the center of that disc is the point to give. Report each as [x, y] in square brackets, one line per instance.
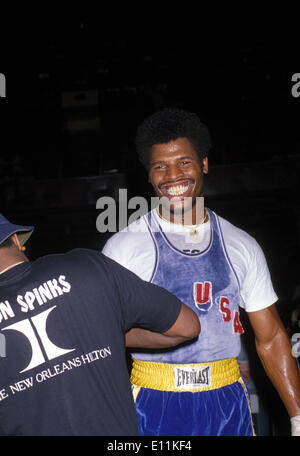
[185, 377]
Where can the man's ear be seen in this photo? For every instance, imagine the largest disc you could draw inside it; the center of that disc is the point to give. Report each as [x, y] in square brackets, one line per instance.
[205, 165]
[15, 240]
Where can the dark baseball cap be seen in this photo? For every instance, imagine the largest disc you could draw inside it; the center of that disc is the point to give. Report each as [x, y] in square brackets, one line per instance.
[7, 229]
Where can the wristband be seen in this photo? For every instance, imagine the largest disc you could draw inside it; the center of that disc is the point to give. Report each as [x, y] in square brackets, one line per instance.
[295, 426]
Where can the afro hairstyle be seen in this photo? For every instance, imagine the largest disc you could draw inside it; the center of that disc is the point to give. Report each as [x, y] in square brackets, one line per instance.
[168, 125]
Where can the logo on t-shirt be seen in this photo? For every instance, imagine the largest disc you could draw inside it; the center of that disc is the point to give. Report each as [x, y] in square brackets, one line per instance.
[35, 330]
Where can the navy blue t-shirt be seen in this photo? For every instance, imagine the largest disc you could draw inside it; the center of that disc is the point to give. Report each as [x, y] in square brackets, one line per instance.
[63, 367]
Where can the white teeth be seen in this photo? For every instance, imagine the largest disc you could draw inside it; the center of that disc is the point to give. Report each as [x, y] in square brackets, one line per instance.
[177, 190]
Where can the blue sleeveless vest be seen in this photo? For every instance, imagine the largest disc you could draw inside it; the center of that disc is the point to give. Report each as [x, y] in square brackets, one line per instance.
[206, 282]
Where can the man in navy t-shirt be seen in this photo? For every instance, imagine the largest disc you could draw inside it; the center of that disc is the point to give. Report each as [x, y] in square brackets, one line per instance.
[63, 320]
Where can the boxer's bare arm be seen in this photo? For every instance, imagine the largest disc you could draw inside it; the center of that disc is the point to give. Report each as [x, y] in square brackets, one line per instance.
[274, 349]
[187, 326]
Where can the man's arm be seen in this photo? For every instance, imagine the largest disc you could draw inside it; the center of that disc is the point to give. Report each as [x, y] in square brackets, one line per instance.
[274, 349]
[187, 326]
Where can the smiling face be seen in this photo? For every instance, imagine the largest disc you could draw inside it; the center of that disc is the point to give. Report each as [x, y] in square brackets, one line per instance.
[176, 173]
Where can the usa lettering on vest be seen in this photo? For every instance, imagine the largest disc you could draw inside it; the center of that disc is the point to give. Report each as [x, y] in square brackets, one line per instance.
[203, 295]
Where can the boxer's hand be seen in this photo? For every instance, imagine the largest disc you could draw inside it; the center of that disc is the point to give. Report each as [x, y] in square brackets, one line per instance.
[295, 426]
[245, 370]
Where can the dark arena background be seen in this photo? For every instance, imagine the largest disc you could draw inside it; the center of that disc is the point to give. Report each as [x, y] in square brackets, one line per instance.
[78, 81]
